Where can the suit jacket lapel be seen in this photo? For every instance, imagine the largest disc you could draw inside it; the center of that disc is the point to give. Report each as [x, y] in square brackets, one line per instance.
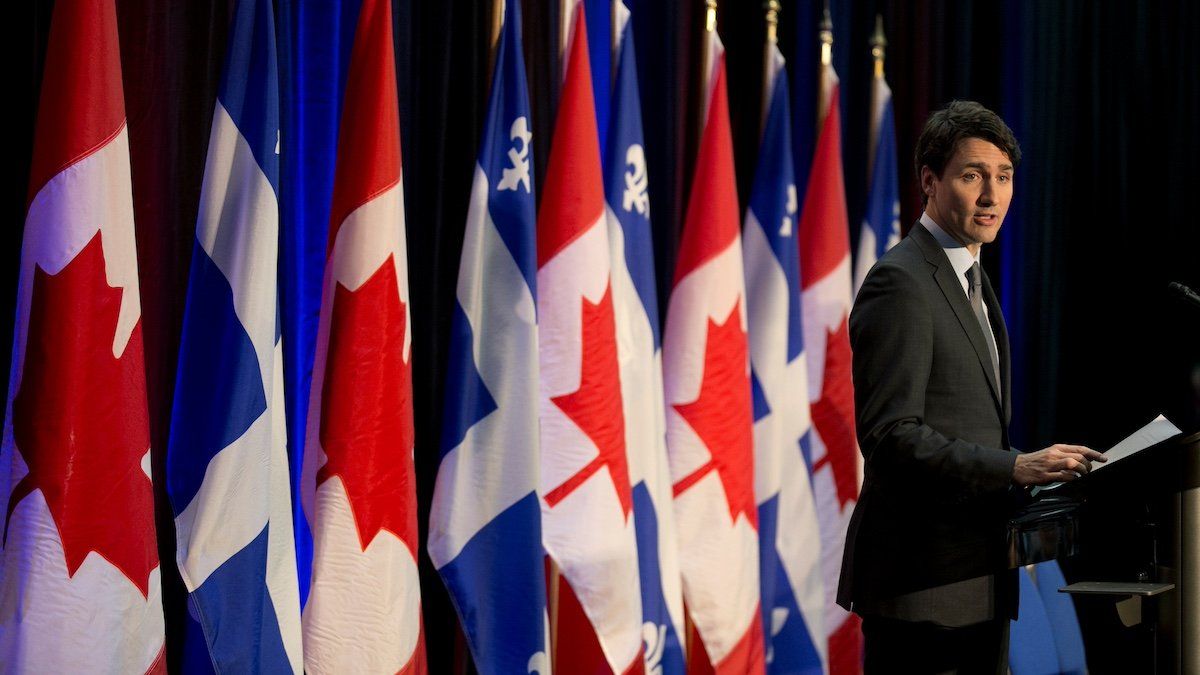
[952, 290]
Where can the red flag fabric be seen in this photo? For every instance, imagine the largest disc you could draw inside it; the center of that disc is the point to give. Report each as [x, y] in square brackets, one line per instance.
[364, 608]
[80, 587]
[825, 279]
[587, 522]
[709, 416]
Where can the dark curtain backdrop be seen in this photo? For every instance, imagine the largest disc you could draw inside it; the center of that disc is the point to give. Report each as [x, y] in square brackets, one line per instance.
[1102, 96]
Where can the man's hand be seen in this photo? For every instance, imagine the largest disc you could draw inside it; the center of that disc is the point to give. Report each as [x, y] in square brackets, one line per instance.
[1058, 462]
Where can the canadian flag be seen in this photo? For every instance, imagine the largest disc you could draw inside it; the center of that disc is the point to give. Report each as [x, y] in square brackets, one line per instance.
[706, 374]
[80, 586]
[825, 280]
[587, 518]
[364, 608]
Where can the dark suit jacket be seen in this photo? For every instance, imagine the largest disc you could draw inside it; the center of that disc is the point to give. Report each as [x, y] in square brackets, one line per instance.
[933, 429]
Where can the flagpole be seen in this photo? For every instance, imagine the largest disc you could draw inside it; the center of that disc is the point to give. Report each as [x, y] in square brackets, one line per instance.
[614, 41]
[494, 37]
[878, 46]
[691, 637]
[826, 34]
[565, 9]
[772, 18]
[710, 27]
[878, 49]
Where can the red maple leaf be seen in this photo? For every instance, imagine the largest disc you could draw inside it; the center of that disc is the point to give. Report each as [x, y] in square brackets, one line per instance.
[833, 417]
[80, 420]
[366, 408]
[596, 406]
[721, 416]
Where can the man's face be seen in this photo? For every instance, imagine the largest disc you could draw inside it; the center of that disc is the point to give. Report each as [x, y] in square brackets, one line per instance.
[970, 199]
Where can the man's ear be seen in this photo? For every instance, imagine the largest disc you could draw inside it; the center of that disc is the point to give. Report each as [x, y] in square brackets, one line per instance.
[928, 177]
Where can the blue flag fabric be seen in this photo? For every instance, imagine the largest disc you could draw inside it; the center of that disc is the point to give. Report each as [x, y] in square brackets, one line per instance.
[227, 467]
[881, 221]
[636, 313]
[485, 520]
[789, 533]
[315, 39]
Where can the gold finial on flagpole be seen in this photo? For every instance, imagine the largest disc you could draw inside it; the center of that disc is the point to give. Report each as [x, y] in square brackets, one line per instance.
[614, 42]
[710, 15]
[772, 7]
[826, 67]
[826, 37]
[565, 9]
[494, 36]
[878, 45]
[772, 17]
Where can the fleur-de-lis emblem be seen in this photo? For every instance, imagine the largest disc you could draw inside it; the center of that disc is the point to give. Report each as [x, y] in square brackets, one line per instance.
[779, 617]
[636, 195]
[538, 664]
[518, 157]
[785, 228]
[655, 637]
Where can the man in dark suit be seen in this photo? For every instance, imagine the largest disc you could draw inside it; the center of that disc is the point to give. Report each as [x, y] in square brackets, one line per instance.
[925, 559]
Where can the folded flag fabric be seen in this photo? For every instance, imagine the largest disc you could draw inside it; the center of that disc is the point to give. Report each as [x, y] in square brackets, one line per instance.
[709, 418]
[80, 584]
[363, 612]
[485, 533]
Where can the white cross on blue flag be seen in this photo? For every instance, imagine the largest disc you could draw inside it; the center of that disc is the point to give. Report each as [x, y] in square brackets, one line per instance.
[227, 470]
[789, 534]
[485, 533]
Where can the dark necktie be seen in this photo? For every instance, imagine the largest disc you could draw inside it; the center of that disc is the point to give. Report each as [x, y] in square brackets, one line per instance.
[975, 293]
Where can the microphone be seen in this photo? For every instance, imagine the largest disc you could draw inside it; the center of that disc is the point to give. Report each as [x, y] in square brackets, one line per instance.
[1185, 294]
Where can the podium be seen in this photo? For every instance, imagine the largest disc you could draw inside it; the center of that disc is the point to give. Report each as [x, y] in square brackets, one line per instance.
[1138, 523]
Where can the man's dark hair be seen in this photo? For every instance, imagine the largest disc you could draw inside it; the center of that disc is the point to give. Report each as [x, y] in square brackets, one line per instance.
[951, 125]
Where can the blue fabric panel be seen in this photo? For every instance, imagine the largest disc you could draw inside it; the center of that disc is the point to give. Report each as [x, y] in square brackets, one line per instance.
[790, 648]
[804, 64]
[769, 202]
[218, 391]
[654, 605]
[759, 399]
[599, 29]
[508, 626]
[237, 614]
[1064, 624]
[513, 211]
[881, 201]
[471, 401]
[627, 132]
[250, 84]
[1031, 648]
[315, 39]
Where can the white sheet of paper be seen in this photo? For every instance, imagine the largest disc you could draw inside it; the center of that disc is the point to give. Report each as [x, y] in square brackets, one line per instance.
[1158, 430]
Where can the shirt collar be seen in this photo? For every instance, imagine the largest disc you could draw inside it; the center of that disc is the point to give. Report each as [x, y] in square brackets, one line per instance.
[959, 255]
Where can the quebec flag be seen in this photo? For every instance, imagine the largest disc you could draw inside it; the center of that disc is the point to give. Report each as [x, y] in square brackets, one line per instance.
[485, 534]
[640, 360]
[227, 468]
[789, 534]
[881, 221]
